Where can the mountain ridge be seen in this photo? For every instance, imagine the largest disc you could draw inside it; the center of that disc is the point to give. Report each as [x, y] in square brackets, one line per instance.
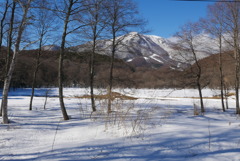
[151, 51]
[136, 49]
[145, 50]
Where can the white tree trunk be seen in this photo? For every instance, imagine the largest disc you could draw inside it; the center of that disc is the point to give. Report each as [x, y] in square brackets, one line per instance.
[7, 82]
[8, 78]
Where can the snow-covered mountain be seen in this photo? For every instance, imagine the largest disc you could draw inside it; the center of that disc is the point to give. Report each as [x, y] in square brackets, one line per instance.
[51, 48]
[143, 50]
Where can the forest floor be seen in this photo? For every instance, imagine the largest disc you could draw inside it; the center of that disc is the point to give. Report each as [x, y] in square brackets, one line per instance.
[144, 125]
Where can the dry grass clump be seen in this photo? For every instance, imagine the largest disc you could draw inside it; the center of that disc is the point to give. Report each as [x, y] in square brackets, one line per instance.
[230, 94]
[114, 95]
[219, 96]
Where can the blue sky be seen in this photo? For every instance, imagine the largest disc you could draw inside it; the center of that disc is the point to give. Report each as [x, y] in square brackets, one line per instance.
[166, 16]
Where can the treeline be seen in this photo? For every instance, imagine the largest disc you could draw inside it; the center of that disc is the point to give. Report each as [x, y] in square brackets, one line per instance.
[76, 69]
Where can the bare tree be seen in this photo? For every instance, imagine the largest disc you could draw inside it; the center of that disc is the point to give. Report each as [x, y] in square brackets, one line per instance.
[25, 5]
[122, 16]
[69, 9]
[9, 45]
[2, 22]
[214, 25]
[187, 44]
[10, 35]
[95, 22]
[69, 4]
[232, 23]
[224, 24]
[43, 24]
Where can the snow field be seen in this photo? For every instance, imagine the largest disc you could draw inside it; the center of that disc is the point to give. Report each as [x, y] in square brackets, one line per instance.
[159, 125]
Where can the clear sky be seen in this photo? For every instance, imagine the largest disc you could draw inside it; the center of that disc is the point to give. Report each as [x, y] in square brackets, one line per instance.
[166, 16]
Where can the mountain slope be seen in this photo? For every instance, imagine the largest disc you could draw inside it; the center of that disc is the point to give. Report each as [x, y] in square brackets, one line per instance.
[137, 49]
[149, 50]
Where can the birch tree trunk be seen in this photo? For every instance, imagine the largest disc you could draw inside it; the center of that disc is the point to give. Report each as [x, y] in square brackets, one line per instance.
[95, 22]
[110, 85]
[9, 43]
[91, 76]
[8, 78]
[61, 57]
[35, 72]
[119, 22]
[221, 73]
[199, 75]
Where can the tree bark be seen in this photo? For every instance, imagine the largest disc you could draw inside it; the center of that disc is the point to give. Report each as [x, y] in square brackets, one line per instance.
[237, 70]
[226, 94]
[92, 69]
[9, 43]
[8, 78]
[35, 71]
[61, 57]
[94, 10]
[111, 73]
[200, 95]
[237, 88]
[221, 73]
[199, 75]
[92, 66]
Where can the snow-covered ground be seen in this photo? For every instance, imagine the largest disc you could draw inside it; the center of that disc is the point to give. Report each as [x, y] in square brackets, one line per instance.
[159, 125]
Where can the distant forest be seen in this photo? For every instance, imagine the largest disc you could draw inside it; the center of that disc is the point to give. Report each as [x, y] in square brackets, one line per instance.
[76, 72]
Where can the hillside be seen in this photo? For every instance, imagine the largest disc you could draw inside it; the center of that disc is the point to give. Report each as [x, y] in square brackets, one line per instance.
[125, 74]
[211, 69]
[76, 72]
[144, 61]
[75, 69]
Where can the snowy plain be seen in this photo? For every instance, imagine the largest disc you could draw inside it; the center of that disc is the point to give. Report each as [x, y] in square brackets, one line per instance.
[159, 125]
